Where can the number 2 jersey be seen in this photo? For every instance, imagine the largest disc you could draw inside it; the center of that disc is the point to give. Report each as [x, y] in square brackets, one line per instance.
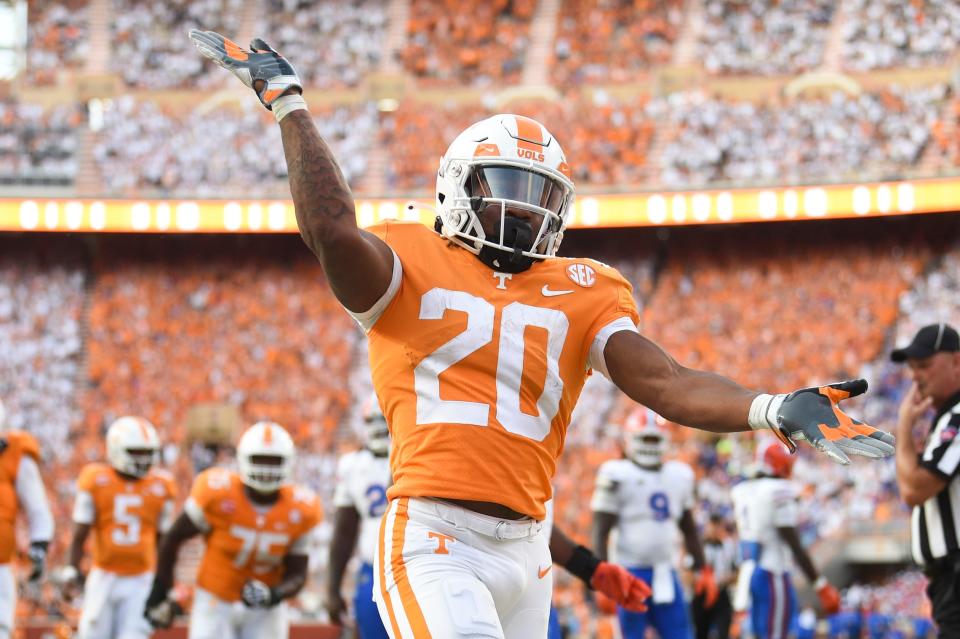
[125, 516]
[245, 540]
[648, 505]
[478, 371]
[362, 480]
[761, 506]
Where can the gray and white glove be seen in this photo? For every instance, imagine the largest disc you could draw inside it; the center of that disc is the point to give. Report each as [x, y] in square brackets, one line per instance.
[261, 68]
[813, 414]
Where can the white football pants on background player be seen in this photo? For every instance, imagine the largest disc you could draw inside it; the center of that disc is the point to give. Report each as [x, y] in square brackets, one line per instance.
[113, 606]
[212, 618]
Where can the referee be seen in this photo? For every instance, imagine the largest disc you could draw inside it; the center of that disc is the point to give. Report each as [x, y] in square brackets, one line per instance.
[930, 480]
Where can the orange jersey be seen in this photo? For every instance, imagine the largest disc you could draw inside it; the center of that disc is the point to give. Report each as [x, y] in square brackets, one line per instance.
[244, 540]
[19, 444]
[125, 515]
[478, 371]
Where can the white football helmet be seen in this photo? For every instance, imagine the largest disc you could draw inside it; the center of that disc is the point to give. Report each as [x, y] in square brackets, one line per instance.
[260, 441]
[132, 445]
[644, 442]
[376, 433]
[505, 163]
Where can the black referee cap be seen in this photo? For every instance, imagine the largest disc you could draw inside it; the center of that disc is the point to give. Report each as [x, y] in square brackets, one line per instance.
[935, 338]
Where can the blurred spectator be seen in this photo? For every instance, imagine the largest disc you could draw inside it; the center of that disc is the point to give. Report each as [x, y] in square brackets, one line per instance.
[151, 49]
[333, 43]
[191, 153]
[611, 40]
[763, 37]
[56, 38]
[708, 139]
[38, 145]
[893, 33]
[471, 42]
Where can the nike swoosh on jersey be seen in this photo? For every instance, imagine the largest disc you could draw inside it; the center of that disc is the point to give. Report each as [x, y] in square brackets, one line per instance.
[548, 293]
[543, 573]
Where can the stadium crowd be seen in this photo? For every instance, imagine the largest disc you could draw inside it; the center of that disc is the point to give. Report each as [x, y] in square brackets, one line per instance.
[56, 38]
[144, 147]
[888, 33]
[38, 145]
[764, 38]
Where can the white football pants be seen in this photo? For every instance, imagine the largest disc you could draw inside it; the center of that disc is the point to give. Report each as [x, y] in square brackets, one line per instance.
[8, 600]
[446, 572]
[212, 618]
[113, 606]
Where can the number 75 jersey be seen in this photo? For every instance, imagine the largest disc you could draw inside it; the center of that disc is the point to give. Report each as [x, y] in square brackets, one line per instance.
[478, 371]
[246, 541]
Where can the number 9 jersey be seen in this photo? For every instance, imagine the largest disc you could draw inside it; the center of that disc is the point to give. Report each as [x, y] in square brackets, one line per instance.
[478, 371]
[246, 541]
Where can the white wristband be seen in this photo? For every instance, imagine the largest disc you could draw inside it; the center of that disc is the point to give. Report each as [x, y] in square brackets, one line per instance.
[763, 411]
[287, 104]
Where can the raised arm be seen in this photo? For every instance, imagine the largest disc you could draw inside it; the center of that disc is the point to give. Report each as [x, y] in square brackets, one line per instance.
[650, 376]
[357, 264]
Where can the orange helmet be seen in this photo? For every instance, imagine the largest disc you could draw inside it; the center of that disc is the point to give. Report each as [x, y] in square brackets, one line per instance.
[774, 459]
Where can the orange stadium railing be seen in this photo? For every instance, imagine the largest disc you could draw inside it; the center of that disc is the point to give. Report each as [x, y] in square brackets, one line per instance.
[591, 211]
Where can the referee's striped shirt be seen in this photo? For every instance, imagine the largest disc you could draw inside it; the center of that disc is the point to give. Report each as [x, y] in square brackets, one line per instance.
[935, 524]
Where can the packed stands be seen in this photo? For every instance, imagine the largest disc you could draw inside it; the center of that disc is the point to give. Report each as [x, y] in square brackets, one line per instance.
[38, 144]
[145, 147]
[333, 44]
[151, 49]
[890, 33]
[600, 41]
[467, 42]
[57, 38]
[764, 38]
[709, 139]
[605, 140]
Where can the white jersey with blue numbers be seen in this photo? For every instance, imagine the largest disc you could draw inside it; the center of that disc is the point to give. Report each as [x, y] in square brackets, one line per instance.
[362, 481]
[648, 505]
[761, 506]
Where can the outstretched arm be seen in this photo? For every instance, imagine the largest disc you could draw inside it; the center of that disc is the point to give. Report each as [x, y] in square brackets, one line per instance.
[648, 375]
[358, 265]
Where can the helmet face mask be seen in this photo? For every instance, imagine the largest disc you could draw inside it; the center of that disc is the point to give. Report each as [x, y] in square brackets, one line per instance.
[133, 446]
[504, 192]
[265, 457]
[376, 432]
[646, 447]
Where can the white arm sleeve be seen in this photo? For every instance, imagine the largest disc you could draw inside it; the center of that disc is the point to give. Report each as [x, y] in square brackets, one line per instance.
[595, 359]
[368, 318]
[195, 513]
[84, 510]
[33, 500]
[301, 545]
[165, 522]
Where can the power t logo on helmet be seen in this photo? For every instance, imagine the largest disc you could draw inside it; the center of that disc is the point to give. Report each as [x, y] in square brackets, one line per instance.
[504, 192]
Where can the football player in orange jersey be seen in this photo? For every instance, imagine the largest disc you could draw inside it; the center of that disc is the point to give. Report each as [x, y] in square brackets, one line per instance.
[480, 342]
[257, 527]
[20, 487]
[127, 504]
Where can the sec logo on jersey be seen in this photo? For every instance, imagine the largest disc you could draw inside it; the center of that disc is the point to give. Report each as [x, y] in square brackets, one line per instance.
[582, 274]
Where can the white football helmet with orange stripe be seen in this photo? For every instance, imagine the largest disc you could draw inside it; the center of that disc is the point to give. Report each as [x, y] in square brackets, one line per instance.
[504, 192]
[265, 456]
[132, 445]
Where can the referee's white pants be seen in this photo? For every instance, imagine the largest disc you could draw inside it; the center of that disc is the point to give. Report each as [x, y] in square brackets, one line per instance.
[444, 571]
[8, 600]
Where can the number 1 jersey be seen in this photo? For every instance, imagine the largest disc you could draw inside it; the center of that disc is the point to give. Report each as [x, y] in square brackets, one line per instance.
[478, 371]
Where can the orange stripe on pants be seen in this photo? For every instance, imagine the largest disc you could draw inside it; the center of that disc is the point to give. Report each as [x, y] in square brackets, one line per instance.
[383, 577]
[409, 601]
